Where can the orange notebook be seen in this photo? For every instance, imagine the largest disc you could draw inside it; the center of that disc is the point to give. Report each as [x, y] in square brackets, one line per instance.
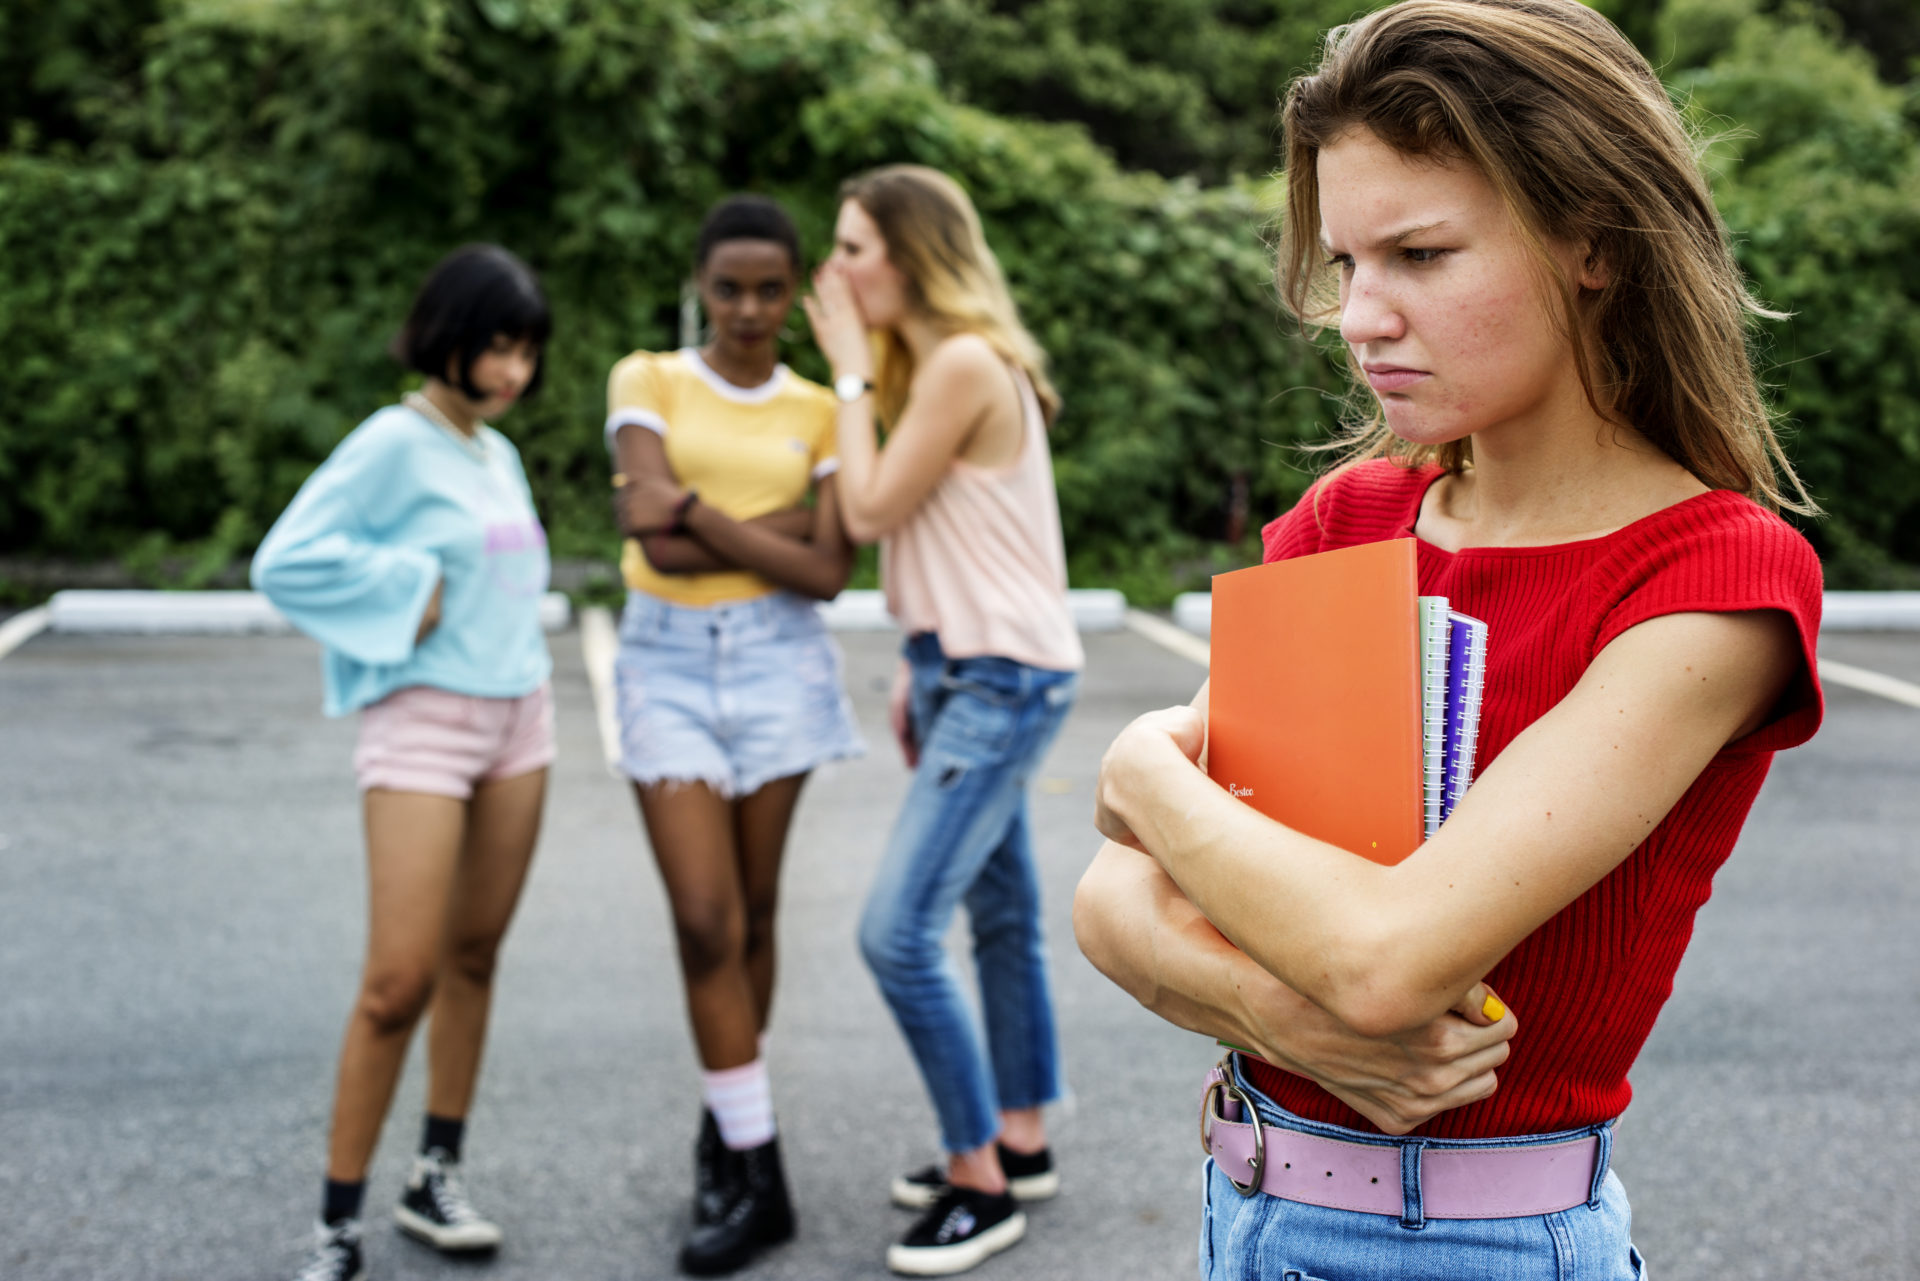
[1313, 711]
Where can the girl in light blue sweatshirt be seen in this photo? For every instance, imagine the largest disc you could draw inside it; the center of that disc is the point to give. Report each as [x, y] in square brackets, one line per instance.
[414, 556]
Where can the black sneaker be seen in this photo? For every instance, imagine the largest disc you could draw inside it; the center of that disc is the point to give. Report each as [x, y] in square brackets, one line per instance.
[962, 1230]
[1030, 1177]
[435, 1209]
[336, 1253]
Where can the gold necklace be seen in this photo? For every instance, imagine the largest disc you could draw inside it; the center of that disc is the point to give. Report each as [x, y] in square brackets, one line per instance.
[474, 444]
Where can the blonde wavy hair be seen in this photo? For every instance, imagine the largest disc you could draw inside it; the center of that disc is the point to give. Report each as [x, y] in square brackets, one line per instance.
[934, 239]
[1568, 122]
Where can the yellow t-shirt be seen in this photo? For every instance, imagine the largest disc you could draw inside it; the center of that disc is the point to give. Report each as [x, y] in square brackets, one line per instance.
[748, 450]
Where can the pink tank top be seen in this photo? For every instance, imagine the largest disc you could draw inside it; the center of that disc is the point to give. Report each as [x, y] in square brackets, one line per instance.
[981, 562]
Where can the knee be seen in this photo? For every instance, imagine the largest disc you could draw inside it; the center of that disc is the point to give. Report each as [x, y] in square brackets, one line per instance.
[712, 935]
[472, 960]
[759, 923]
[392, 1000]
[890, 953]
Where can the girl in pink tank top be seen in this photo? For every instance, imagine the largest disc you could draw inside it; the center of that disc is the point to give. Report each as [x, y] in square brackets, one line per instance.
[915, 318]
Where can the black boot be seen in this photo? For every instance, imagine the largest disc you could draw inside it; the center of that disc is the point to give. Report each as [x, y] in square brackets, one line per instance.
[716, 1171]
[758, 1215]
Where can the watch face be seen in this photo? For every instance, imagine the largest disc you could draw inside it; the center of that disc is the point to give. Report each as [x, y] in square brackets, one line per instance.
[850, 387]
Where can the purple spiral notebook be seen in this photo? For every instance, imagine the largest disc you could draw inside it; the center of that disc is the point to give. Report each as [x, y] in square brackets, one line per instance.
[1466, 679]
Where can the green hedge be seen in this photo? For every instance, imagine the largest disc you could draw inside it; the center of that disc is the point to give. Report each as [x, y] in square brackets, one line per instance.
[211, 233]
[204, 287]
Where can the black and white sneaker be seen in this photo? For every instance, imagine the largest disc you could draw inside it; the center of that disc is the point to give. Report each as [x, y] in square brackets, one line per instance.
[962, 1229]
[336, 1254]
[435, 1209]
[1030, 1177]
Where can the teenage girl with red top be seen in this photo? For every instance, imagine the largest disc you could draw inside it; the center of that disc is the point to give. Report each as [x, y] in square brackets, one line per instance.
[1499, 207]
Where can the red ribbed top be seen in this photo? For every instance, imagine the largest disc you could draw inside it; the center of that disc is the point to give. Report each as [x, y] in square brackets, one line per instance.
[1589, 983]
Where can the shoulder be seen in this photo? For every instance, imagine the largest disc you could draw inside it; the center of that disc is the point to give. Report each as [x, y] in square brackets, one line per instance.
[1718, 553]
[641, 371]
[1360, 502]
[1717, 548]
[961, 357]
[643, 361]
[383, 434]
[805, 391]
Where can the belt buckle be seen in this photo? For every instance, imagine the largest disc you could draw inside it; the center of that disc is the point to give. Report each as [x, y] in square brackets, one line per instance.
[1258, 1161]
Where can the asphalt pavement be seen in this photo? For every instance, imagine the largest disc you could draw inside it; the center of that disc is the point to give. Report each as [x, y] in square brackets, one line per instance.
[181, 917]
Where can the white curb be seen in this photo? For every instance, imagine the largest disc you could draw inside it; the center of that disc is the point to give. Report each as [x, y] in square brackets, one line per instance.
[127, 613]
[1870, 612]
[236, 613]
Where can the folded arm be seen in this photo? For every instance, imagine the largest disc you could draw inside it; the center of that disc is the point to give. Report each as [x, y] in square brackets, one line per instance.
[804, 550]
[1138, 929]
[1388, 949]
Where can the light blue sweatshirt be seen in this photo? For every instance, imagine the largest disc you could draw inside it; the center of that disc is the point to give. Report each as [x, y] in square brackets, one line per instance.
[399, 506]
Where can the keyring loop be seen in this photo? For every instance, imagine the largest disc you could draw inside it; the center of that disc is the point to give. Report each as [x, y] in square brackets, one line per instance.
[1256, 1164]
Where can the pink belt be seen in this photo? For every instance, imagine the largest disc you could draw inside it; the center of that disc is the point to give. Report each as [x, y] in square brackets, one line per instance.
[1409, 1180]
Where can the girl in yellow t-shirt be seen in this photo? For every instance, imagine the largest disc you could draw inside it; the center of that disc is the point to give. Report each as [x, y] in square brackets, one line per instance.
[729, 686]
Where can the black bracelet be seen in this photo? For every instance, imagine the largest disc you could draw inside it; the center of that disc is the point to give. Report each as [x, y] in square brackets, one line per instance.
[681, 509]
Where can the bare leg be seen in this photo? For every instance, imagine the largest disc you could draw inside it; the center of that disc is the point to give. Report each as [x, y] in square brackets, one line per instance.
[691, 829]
[1023, 1130]
[978, 1169]
[761, 822]
[413, 849]
[503, 823]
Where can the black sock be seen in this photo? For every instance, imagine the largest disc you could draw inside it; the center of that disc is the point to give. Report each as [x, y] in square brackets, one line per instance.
[445, 1133]
[342, 1200]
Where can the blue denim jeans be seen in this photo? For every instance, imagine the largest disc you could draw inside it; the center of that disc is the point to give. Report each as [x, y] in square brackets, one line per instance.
[983, 725]
[1269, 1239]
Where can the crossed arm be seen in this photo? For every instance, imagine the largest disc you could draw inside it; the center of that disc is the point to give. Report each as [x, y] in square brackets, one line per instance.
[1223, 920]
[804, 550]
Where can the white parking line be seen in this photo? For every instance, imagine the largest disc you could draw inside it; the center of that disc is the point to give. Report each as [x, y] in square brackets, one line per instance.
[598, 643]
[1167, 636]
[1832, 672]
[1835, 673]
[21, 628]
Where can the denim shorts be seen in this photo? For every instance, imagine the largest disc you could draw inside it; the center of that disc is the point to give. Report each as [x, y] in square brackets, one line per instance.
[1272, 1239]
[733, 696]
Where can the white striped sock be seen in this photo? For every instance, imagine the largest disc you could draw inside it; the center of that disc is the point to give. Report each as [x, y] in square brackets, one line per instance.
[741, 1100]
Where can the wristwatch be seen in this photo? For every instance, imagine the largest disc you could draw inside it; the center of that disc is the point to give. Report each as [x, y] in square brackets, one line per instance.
[850, 387]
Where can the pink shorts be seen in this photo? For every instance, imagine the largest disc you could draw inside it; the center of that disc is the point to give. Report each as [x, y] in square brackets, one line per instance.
[422, 739]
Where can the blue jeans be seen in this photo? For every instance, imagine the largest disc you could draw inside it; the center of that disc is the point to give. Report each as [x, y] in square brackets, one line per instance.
[983, 725]
[1266, 1238]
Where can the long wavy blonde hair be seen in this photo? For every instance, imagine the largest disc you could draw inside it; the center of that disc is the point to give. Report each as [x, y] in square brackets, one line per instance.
[934, 239]
[1568, 122]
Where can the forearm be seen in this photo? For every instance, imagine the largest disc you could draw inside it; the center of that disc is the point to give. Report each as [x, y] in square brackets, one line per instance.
[859, 470]
[1139, 930]
[812, 569]
[685, 554]
[1335, 928]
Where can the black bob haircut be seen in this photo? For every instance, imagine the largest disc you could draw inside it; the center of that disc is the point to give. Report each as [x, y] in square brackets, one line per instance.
[477, 293]
[748, 218]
